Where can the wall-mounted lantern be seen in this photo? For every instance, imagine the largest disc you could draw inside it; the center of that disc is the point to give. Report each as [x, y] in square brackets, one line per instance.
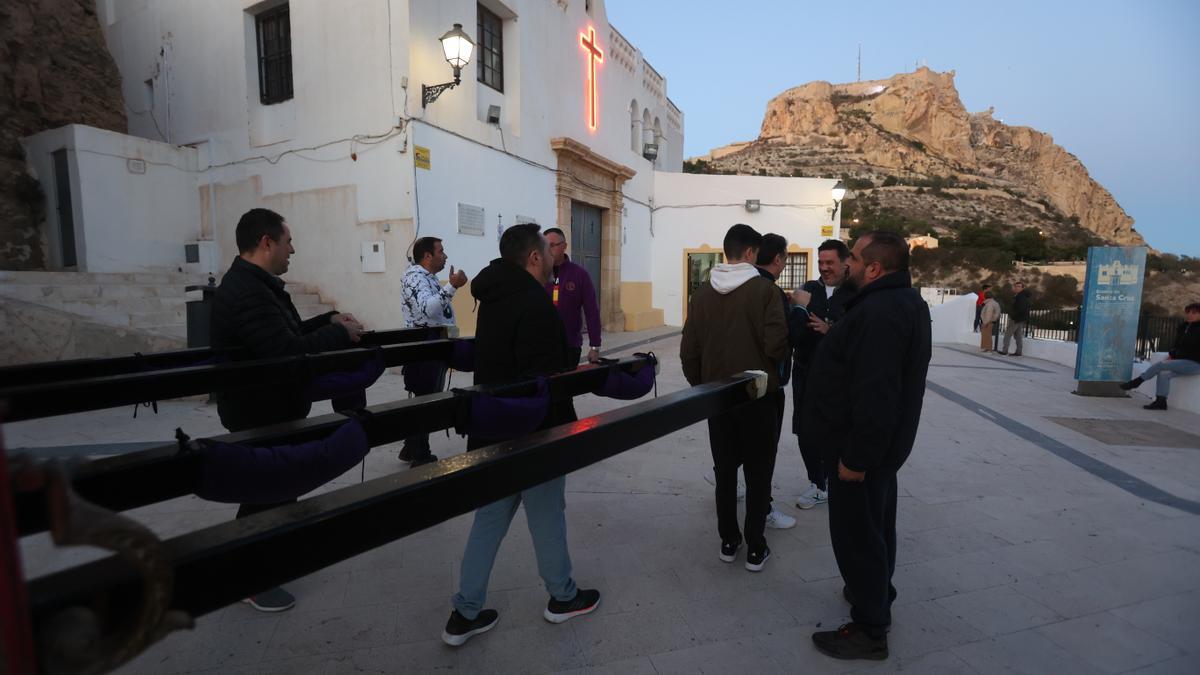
[457, 46]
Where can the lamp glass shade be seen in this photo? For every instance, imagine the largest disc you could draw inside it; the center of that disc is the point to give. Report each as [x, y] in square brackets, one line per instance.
[838, 191]
[457, 46]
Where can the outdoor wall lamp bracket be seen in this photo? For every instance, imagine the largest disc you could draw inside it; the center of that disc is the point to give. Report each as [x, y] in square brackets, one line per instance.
[457, 47]
[838, 193]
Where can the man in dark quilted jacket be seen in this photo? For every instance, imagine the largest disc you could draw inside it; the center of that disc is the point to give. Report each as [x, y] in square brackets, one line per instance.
[252, 310]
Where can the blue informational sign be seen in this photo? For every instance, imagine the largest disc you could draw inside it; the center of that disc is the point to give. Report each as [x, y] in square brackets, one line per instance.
[1112, 300]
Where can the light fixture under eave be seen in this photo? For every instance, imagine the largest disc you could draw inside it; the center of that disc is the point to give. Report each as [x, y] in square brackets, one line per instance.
[650, 151]
[457, 46]
[752, 205]
[838, 193]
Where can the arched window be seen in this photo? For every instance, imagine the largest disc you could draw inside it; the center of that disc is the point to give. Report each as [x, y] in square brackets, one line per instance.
[647, 129]
[635, 128]
[659, 141]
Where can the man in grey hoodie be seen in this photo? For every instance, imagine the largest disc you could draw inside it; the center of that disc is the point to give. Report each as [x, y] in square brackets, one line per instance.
[736, 323]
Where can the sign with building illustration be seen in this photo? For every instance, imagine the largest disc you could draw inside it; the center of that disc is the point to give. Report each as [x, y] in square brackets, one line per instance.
[1112, 301]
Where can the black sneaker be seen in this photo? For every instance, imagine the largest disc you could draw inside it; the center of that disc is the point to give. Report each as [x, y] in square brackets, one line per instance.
[756, 559]
[427, 459]
[1132, 384]
[851, 641]
[1159, 403]
[729, 550]
[459, 628]
[585, 602]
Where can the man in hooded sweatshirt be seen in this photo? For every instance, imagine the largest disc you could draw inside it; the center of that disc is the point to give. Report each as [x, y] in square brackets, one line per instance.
[736, 323]
[519, 335]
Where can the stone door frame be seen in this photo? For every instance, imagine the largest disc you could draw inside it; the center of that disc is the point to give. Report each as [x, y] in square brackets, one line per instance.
[587, 177]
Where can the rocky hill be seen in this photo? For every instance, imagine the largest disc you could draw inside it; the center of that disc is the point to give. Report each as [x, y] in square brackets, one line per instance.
[909, 149]
[55, 69]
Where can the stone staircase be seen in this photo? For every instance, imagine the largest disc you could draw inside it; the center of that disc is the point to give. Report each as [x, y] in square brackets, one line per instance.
[147, 302]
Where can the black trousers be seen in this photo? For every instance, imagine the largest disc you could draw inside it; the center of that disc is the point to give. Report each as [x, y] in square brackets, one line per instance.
[862, 526]
[813, 463]
[744, 437]
[418, 444]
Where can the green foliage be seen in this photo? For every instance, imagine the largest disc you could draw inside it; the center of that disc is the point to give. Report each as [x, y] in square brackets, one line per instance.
[890, 181]
[1170, 263]
[697, 166]
[945, 260]
[1054, 291]
[1029, 244]
[975, 236]
[857, 183]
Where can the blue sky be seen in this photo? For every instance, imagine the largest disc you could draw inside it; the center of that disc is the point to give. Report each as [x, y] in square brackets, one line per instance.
[1115, 83]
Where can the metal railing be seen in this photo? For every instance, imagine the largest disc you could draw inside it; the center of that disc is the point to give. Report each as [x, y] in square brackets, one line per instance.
[1154, 333]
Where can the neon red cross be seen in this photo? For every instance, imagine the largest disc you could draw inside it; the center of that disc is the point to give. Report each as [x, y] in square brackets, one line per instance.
[588, 40]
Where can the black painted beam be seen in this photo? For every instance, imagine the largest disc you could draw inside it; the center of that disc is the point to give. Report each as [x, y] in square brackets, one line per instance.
[139, 478]
[97, 393]
[78, 369]
[220, 565]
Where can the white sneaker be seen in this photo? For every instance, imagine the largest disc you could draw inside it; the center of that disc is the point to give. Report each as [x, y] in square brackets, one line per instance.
[811, 497]
[741, 490]
[779, 520]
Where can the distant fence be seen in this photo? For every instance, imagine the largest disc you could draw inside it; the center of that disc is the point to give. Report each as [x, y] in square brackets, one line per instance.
[1155, 333]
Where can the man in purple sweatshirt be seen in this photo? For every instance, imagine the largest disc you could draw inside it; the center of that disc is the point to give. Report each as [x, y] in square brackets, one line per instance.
[571, 290]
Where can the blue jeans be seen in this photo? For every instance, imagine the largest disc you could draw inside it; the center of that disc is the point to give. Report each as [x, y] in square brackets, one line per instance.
[545, 506]
[1165, 370]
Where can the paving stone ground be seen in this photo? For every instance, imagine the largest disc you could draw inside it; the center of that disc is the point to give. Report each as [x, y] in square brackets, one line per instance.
[1015, 554]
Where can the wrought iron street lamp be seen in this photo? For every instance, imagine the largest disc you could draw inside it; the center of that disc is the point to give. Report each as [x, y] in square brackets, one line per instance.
[457, 46]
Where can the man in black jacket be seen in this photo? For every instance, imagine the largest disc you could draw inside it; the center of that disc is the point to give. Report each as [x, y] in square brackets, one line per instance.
[518, 335]
[1017, 318]
[252, 310]
[870, 371]
[824, 301]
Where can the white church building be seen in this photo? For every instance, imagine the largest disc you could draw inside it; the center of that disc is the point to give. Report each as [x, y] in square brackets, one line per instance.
[330, 113]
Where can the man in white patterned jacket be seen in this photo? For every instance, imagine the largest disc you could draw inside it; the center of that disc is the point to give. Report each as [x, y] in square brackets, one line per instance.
[426, 304]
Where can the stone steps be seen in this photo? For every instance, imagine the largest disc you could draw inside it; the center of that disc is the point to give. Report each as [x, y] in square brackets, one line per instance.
[146, 301]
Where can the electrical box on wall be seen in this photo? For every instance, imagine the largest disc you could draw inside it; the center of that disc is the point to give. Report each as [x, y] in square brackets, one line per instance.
[373, 259]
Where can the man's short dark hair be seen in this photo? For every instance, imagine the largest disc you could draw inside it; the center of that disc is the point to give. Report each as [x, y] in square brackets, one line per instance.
[518, 240]
[888, 249]
[254, 224]
[422, 246]
[986, 286]
[738, 239]
[772, 245]
[554, 230]
[835, 245]
[1194, 307]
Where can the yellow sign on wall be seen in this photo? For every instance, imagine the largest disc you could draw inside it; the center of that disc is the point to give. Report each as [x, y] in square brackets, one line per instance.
[421, 157]
[826, 230]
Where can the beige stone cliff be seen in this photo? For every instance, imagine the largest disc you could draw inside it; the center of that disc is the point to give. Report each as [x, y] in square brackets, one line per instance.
[914, 126]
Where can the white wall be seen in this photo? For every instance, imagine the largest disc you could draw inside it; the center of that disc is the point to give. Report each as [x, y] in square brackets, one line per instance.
[350, 62]
[954, 320]
[124, 221]
[691, 210]
[461, 171]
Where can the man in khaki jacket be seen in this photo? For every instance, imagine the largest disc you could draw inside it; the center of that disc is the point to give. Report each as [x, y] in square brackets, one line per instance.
[736, 323]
